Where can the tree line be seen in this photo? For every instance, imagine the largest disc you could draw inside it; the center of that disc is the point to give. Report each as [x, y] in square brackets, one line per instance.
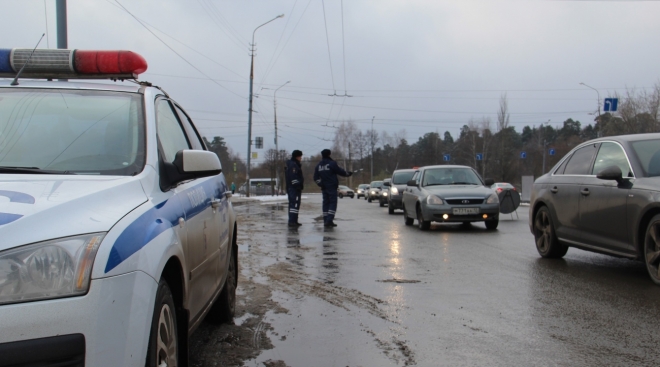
[493, 148]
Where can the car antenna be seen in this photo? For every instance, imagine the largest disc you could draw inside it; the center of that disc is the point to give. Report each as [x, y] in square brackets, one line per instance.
[15, 81]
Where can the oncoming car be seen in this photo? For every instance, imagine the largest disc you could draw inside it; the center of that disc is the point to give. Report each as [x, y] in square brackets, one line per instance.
[374, 190]
[384, 192]
[603, 196]
[396, 188]
[118, 233]
[345, 191]
[361, 191]
[449, 194]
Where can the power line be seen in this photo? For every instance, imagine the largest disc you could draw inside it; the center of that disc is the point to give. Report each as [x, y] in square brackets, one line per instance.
[327, 38]
[173, 50]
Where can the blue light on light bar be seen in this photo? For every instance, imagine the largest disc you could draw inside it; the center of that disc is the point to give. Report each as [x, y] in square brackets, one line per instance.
[5, 62]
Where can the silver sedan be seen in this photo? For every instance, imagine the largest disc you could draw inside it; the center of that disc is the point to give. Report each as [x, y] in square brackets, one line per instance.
[449, 194]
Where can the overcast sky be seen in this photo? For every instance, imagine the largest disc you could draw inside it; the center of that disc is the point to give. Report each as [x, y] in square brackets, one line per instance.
[418, 65]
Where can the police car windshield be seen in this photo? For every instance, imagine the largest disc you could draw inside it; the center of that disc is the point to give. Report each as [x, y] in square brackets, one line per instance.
[72, 131]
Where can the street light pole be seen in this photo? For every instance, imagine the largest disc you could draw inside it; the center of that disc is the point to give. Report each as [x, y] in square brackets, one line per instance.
[597, 93]
[372, 148]
[277, 149]
[249, 153]
[545, 144]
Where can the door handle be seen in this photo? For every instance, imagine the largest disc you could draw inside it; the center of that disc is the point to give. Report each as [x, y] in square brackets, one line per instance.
[584, 191]
[554, 190]
[215, 204]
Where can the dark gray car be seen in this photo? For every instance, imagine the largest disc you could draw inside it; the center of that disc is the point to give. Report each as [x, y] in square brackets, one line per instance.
[396, 187]
[449, 194]
[603, 196]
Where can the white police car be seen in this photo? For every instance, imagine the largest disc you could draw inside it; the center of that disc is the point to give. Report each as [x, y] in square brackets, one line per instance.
[117, 234]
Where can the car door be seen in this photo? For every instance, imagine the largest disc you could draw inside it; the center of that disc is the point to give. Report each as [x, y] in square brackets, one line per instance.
[564, 192]
[200, 248]
[410, 196]
[603, 214]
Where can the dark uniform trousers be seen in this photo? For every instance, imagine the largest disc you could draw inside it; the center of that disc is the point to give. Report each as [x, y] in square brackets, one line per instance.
[329, 204]
[294, 203]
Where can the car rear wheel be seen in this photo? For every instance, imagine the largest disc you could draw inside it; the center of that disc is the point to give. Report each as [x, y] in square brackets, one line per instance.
[421, 223]
[225, 306]
[407, 220]
[163, 349]
[547, 243]
[652, 249]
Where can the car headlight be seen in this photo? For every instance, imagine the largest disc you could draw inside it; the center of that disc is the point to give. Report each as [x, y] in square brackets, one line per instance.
[395, 191]
[434, 200]
[384, 193]
[50, 269]
[493, 199]
[373, 192]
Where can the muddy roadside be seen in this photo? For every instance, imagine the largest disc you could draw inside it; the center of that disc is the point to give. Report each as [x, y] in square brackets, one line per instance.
[287, 299]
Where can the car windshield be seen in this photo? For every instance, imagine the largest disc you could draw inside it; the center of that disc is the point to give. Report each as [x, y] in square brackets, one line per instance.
[72, 131]
[376, 184]
[450, 176]
[648, 152]
[401, 178]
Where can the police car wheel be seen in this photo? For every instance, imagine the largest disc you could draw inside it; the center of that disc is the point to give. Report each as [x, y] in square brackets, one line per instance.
[163, 339]
[225, 307]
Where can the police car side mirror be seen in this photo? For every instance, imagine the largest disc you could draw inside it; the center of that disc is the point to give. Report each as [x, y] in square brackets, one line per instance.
[200, 163]
[188, 165]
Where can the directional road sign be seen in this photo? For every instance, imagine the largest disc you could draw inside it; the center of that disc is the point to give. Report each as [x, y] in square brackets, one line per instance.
[551, 151]
[446, 157]
[523, 155]
[611, 104]
[480, 156]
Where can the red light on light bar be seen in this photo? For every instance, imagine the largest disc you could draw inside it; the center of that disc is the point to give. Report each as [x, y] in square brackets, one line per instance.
[109, 62]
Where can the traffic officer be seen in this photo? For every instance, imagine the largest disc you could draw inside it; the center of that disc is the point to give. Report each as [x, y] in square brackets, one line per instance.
[294, 186]
[325, 175]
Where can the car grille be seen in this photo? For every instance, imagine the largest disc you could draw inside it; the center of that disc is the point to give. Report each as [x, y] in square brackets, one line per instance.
[472, 201]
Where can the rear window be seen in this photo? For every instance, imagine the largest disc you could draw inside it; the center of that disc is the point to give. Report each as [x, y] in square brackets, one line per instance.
[73, 131]
[648, 153]
[401, 178]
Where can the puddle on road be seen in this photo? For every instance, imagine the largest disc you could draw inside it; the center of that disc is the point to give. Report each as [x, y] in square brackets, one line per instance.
[308, 240]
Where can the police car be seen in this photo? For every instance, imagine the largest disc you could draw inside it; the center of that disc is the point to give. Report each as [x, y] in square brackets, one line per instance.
[117, 233]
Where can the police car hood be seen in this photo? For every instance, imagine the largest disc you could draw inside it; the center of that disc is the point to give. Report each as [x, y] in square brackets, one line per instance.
[35, 208]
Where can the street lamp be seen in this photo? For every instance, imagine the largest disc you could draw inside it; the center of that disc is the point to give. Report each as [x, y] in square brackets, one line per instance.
[597, 93]
[249, 153]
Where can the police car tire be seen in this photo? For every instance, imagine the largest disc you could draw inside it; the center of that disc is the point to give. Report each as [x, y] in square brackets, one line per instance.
[163, 330]
[225, 306]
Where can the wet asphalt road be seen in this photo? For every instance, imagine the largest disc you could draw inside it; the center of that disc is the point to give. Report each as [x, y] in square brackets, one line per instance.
[375, 292]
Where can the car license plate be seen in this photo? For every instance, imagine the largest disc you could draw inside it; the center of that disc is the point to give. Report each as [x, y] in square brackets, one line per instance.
[465, 211]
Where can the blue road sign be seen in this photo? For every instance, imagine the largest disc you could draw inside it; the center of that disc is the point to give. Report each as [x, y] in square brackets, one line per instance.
[551, 151]
[480, 156]
[446, 157]
[611, 104]
[523, 155]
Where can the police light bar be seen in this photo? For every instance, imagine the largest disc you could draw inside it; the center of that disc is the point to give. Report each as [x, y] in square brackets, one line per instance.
[71, 64]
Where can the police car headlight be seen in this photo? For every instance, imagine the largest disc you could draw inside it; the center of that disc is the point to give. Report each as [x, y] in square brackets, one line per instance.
[394, 191]
[50, 269]
[434, 200]
[493, 199]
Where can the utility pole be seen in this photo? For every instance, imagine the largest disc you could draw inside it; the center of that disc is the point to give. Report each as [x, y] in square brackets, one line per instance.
[60, 10]
[277, 149]
[372, 148]
[350, 165]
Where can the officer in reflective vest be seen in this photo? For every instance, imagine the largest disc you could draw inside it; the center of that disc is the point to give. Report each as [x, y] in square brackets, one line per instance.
[294, 186]
[325, 175]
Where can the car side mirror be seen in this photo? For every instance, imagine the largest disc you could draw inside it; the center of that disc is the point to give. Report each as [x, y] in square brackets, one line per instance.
[489, 182]
[611, 173]
[387, 184]
[412, 183]
[189, 165]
